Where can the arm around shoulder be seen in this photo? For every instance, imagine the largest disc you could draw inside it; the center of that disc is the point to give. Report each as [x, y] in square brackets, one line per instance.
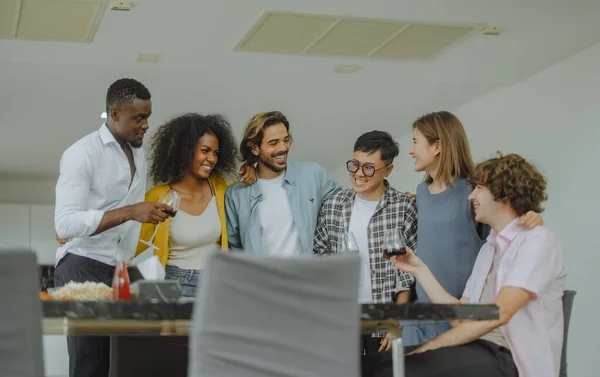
[322, 244]
[328, 186]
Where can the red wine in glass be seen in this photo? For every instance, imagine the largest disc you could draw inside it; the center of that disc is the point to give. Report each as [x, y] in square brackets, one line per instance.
[394, 251]
[394, 243]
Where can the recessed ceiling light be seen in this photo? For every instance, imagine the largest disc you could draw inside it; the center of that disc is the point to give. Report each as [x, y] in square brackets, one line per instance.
[492, 31]
[103, 115]
[121, 5]
[347, 68]
[148, 58]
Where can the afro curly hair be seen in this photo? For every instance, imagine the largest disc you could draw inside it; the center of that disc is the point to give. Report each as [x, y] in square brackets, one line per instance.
[173, 146]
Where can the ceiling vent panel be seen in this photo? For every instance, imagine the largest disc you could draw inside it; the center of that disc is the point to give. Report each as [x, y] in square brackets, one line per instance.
[355, 38]
[54, 20]
[286, 33]
[421, 42]
[9, 17]
[324, 35]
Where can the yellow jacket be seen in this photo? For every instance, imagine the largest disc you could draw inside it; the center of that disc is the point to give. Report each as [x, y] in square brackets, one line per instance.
[161, 239]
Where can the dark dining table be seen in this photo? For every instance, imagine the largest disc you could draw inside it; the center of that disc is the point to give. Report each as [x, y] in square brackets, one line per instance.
[166, 325]
[173, 318]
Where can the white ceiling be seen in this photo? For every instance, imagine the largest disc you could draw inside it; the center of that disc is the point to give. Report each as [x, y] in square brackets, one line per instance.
[52, 93]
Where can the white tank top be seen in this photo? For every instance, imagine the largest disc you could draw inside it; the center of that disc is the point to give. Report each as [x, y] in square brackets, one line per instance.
[191, 237]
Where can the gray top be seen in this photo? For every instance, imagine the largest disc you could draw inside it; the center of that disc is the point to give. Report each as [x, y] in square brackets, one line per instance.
[448, 240]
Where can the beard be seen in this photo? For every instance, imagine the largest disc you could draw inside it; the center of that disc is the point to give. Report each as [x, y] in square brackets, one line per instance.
[270, 163]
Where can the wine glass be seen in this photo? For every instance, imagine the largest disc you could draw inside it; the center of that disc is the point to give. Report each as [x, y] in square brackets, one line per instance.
[347, 243]
[170, 198]
[394, 243]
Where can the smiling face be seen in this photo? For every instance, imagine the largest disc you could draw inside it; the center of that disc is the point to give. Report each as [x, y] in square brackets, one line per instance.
[364, 186]
[130, 121]
[484, 205]
[274, 147]
[205, 157]
[426, 155]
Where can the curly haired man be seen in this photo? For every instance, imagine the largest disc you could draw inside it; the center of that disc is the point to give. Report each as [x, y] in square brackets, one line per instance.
[521, 271]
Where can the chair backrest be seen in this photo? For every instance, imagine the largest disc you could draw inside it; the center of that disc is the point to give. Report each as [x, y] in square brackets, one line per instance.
[266, 316]
[568, 298]
[21, 350]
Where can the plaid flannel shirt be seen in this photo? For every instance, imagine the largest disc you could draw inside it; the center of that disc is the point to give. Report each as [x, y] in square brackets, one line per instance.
[394, 210]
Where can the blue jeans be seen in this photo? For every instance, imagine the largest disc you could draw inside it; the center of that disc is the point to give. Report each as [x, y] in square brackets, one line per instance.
[188, 279]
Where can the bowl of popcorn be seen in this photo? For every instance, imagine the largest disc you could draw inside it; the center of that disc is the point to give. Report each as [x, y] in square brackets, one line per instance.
[87, 291]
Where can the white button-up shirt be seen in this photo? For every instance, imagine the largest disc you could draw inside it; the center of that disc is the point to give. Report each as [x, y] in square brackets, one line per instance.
[95, 177]
[532, 260]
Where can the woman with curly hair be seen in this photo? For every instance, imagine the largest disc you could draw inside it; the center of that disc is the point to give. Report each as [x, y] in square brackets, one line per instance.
[192, 155]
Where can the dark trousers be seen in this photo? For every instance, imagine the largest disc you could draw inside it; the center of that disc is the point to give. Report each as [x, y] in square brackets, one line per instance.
[149, 356]
[476, 359]
[89, 356]
[370, 344]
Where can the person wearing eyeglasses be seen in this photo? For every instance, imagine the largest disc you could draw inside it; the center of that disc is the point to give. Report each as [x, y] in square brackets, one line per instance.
[369, 211]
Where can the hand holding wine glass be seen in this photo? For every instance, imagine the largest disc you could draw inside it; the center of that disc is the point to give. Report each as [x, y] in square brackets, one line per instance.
[407, 262]
[167, 205]
[149, 212]
[172, 199]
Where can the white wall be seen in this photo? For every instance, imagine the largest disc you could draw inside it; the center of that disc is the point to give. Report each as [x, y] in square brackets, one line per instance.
[27, 190]
[553, 119]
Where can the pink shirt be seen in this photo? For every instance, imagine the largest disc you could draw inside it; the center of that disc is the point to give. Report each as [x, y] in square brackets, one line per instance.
[532, 260]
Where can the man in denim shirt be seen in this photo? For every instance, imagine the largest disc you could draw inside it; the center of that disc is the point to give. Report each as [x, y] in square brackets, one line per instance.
[277, 215]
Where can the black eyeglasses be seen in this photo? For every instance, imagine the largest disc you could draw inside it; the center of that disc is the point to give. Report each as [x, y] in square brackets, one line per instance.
[367, 169]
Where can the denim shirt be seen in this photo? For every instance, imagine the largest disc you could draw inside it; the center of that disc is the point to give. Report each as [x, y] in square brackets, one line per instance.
[307, 187]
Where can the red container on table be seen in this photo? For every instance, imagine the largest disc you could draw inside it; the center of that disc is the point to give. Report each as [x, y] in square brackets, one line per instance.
[120, 283]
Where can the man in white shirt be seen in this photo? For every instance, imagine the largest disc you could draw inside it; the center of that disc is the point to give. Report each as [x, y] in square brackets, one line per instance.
[520, 270]
[100, 207]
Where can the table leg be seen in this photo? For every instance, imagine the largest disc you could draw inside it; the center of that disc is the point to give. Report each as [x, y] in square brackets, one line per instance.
[398, 357]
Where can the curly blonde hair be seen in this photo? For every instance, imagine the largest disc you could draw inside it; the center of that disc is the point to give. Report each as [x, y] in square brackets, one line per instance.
[512, 179]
